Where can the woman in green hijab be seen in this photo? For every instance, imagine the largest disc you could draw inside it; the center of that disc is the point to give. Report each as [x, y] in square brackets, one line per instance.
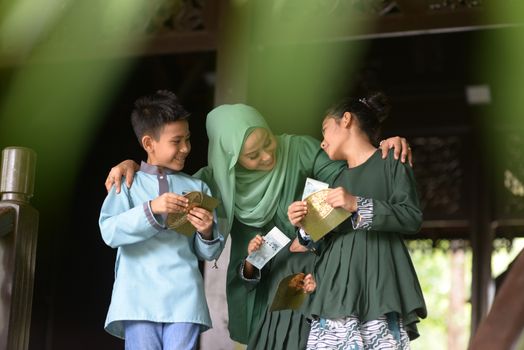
[256, 175]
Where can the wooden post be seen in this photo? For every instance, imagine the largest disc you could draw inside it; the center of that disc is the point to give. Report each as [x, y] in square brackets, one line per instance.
[233, 52]
[18, 238]
[482, 236]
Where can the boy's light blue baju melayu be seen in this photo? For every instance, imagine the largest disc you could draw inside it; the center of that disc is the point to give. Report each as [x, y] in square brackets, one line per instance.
[157, 277]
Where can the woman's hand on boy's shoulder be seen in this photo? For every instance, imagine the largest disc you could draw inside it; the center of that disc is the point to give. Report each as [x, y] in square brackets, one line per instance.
[127, 168]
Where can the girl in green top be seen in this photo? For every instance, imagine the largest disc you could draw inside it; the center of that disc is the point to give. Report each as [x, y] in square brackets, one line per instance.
[366, 291]
[256, 174]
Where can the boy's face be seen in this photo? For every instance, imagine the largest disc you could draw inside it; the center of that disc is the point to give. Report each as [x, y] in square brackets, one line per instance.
[171, 148]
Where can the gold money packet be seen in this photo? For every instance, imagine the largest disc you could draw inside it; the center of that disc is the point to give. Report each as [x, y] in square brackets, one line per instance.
[179, 222]
[321, 217]
[290, 293]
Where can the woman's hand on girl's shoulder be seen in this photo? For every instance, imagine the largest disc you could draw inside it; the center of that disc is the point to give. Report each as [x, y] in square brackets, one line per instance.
[400, 148]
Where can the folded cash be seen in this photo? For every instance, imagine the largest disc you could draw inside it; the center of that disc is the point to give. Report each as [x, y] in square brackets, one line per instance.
[312, 186]
[274, 241]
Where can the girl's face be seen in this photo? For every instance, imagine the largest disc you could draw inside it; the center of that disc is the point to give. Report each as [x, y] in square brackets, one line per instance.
[172, 147]
[334, 136]
[258, 151]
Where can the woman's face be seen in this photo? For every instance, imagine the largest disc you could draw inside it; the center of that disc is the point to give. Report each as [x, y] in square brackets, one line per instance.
[258, 151]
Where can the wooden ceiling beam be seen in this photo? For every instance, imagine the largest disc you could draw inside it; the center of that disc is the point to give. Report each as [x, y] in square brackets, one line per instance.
[412, 6]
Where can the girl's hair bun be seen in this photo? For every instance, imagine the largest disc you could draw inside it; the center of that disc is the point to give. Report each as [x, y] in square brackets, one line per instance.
[379, 104]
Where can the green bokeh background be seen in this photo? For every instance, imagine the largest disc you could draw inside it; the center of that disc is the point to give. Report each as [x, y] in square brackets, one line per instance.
[62, 63]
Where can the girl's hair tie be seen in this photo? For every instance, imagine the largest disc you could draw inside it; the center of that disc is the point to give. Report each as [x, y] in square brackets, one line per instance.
[364, 102]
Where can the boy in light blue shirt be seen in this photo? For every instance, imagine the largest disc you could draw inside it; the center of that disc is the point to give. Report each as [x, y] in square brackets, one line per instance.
[158, 299]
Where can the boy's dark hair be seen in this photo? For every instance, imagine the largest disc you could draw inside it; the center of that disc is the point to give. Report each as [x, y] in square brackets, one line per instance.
[370, 111]
[152, 112]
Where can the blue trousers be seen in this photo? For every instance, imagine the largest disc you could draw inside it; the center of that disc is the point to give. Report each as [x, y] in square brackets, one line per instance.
[145, 335]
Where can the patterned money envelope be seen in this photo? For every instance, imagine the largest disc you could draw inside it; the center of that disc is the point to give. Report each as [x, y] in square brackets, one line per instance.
[179, 222]
[290, 294]
[321, 217]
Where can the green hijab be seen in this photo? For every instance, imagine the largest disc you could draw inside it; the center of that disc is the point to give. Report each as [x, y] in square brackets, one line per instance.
[249, 195]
